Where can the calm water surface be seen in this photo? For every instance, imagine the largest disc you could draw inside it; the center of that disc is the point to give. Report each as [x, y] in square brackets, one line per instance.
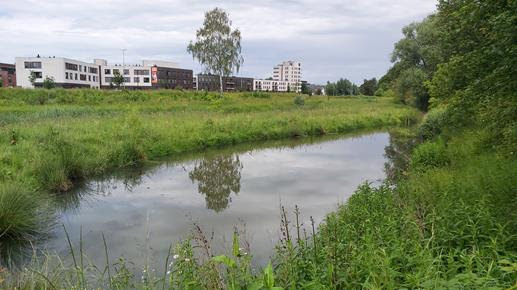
[142, 213]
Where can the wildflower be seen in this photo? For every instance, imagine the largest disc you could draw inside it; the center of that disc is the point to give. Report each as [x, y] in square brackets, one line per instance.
[175, 256]
[168, 272]
[187, 260]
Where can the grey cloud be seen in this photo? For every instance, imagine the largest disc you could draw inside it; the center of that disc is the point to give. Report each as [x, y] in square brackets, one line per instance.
[332, 38]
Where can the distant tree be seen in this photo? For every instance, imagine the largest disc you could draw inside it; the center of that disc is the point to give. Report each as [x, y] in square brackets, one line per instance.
[368, 87]
[48, 83]
[217, 46]
[305, 89]
[288, 88]
[32, 78]
[318, 91]
[117, 79]
[1, 82]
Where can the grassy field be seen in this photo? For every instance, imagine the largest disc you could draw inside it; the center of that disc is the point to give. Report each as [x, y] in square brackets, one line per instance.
[51, 140]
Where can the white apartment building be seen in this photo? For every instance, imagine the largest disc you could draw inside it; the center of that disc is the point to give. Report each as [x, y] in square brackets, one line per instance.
[272, 86]
[65, 72]
[289, 71]
[287, 76]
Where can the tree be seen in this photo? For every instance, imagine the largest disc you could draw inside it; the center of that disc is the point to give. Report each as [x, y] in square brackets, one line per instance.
[305, 89]
[48, 83]
[32, 78]
[217, 46]
[368, 87]
[117, 79]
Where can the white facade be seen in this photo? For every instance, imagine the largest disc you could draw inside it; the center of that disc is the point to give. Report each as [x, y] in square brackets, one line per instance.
[135, 75]
[273, 86]
[289, 71]
[65, 72]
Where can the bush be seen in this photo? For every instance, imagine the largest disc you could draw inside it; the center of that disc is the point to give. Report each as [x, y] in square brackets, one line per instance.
[258, 95]
[22, 221]
[299, 101]
[433, 123]
[429, 155]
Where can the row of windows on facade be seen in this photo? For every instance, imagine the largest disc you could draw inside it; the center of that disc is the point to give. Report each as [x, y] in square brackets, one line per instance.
[82, 77]
[138, 72]
[127, 80]
[81, 68]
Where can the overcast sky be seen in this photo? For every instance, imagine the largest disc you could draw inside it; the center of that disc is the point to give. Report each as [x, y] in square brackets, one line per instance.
[332, 38]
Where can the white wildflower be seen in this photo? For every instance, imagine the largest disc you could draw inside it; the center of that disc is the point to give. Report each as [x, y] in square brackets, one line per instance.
[175, 256]
[187, 260]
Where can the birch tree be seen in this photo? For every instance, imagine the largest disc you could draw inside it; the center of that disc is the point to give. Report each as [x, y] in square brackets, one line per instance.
[217, 46]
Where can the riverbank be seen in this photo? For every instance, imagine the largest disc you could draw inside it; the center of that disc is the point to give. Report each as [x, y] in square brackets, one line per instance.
[53, 140]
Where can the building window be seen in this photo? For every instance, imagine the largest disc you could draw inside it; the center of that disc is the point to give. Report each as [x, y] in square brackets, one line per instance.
[136, 79]
[127, 80]
[107, 71]
[85, 68]
[33, 64]
[70, 66]
[89, 78]
[116, 71]
[108, 79]
[126, 72]
[146, 80]
[93, 70]
[141, 72]
[75, 76]
[94, 78]
[80, 68]
[37, 74]
[66, 75]
[82, 77]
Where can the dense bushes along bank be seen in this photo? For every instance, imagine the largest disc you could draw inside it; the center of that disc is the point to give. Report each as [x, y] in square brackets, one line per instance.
[51, 147]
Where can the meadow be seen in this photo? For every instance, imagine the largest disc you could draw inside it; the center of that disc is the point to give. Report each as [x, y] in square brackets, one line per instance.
[53, 140]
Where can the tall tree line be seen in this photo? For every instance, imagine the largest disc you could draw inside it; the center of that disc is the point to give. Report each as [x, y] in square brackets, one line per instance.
[462, 58]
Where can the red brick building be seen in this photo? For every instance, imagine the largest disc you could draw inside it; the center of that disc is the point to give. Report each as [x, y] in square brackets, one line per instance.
[7, 75]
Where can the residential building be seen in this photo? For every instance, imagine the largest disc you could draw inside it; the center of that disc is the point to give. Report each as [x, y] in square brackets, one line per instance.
[289, 71]
[7, 75]
[209, 82]
[286, 78]
[269, 85]
[67, 73]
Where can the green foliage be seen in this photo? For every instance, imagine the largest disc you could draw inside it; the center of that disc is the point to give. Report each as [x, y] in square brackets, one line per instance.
[24, 218]
[342, 87]
[257, 94]
[433, 123]
[410, 89]
[48, 83]
[477, 79]
[299, 100]
[369, 87]
[429, 155]
[117, 79]
[217, 46]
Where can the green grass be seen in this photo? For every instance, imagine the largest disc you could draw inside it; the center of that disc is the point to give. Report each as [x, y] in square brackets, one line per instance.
[52, 140]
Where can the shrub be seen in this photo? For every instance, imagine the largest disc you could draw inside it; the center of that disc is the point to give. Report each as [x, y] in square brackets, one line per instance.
[429, 155]
[433, 123]
[22, 221]
[258, 95]
[299, 101]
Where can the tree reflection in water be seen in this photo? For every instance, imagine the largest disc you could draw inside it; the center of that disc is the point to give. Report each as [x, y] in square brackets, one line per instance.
[217, 178]
[397, 153]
